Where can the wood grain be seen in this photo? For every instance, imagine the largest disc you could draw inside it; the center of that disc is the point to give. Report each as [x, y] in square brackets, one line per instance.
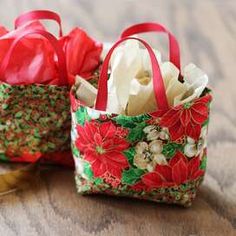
[206, 30]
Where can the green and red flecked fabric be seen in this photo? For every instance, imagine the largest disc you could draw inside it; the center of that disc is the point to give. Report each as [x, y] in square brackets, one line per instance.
[159, 156]
[35, 124]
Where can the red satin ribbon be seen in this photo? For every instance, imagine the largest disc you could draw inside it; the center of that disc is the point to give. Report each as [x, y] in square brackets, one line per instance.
[158, 84]
[38, 15]
[63, 76]
[174, 51]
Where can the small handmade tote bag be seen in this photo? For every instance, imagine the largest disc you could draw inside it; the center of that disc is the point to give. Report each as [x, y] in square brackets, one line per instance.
[35, 118]
[140, 156]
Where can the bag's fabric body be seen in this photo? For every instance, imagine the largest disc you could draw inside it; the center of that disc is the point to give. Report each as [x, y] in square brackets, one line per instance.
[159, 156]
[35, 123]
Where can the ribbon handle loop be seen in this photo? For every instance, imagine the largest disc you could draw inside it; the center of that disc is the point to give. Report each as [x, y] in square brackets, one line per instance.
[174, 50]
[38, 15]
[158, 84]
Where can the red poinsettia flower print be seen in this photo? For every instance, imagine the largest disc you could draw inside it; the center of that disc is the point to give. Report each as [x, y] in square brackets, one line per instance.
[186, 119]
[102, 145]
[183, 170]
[177, 172]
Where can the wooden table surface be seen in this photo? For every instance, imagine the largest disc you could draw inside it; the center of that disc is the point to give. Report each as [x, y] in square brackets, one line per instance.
[206, 31]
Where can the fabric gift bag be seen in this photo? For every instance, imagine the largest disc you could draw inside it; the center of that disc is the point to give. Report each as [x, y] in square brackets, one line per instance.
[35, 76]
[35, 118]
[141, 156]
[36, 72]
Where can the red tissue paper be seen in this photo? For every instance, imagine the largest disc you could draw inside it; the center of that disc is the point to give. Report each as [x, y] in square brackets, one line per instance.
[33, 60]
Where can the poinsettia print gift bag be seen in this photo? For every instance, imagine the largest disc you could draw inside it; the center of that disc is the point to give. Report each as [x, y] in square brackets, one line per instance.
[140, 156]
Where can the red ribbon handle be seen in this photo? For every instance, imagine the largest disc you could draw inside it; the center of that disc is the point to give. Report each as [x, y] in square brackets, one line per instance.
[174, 51]
[63, 75]
[38, 15]
[158, 84]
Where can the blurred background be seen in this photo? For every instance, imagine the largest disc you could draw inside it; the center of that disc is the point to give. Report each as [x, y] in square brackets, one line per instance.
[205, 28]
[206, 31]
